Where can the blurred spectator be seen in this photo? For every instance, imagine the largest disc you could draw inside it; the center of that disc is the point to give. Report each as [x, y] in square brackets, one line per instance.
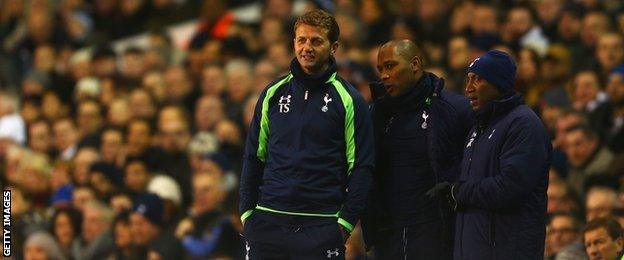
[66, 227]
[587, 156]
[40, 137]
[147, 219]
[96, 239]
[603, 239]
[564, 237]
[207, 231]
[600, 202]
[41, 245]
[12, 127]
[561, 198]
[65, 138]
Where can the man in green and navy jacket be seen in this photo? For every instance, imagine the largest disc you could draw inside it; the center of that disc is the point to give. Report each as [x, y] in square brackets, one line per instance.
[309, 154]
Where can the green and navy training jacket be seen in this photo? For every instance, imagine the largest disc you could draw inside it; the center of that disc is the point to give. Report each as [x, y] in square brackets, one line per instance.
[309, 149]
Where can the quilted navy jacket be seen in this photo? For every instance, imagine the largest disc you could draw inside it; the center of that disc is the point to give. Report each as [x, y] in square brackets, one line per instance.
[501, 193]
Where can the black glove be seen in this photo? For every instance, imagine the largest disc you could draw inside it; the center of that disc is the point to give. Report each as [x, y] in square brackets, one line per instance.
[443, 192]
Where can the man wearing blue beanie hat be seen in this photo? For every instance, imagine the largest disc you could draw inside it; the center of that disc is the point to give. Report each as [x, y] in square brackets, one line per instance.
[500, 197]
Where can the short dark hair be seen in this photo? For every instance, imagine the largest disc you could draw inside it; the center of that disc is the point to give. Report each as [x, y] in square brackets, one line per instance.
[321, 19]
[611, 225]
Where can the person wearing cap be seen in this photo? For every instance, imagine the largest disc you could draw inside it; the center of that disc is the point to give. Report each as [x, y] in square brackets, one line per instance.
[419, 131]
[500, 196]
[147, 219]
[309, 154]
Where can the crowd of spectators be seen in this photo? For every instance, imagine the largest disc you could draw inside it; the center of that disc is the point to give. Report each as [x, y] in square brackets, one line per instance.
[125, 154]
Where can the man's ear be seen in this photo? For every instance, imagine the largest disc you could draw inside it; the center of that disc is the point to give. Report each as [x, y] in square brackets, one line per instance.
[416, 64]
[620, 242]
[334, 47]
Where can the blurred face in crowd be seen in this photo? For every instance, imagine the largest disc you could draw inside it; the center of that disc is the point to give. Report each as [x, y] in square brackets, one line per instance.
[82, 196]
[600, 203]
[208, 112]
[142, 104]
[527, 65]
[599, 245]
[227, 132]
[133, 65]
[238, 84]
[212, 80]
[615, 87]
[35, 252]
[137, 176]
[458, 53]
[139, 137]
[479, 91]
[118, 113]
[94, 223]
[563, 124]
[484, 20]
[54, 109]
[271, 31]
[280, 55]
[120, 203]
[60, 175]
[547, 10]
[610, 51]
[101, 184]
[174, 135]
[264, 72]
[65, 134]
[569, 26]
[82, 161]
[558, 197]
[123, 234]
[63, 230]
[593, 25]
[40, 137]
[89, 117]
[45, 58]
[561, 232]
[519, 21]
[579, 148]
[111, 145]
[104, 66]
[207, 192]
[313, 48]
[586, 87]
[40, 24]
[178, 84]
[143, 231]
[397, 73]
[154, 82]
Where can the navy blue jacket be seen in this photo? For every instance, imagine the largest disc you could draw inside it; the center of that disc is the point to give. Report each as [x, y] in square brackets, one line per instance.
[309, 150]
[409, 159]
[501, 193]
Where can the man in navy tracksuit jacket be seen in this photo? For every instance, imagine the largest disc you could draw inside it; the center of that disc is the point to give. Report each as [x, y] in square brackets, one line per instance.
[419, 134]
[501, 192]
[309, 155]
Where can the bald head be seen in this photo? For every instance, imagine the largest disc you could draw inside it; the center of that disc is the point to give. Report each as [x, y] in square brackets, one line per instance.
[405, 48]
[399, 66]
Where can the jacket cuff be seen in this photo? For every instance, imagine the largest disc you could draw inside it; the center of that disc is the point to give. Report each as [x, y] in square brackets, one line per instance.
[348, 226]
[246, 215]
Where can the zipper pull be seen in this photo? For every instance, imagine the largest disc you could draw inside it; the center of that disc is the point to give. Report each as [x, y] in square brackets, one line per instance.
[305, 97]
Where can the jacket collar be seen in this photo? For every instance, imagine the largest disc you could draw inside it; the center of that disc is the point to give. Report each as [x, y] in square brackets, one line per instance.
[427, 86]
[496, 108]
[316, 80]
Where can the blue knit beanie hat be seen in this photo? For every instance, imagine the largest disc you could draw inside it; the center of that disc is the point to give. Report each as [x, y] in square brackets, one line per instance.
[498, 68]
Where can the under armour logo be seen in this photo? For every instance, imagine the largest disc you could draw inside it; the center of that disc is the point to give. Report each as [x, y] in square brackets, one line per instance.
[284, 104]
[473, 62]
[141, 209]
[331, 253]
[327, 100]
[474, 134]
[489, 137]
[424, 116]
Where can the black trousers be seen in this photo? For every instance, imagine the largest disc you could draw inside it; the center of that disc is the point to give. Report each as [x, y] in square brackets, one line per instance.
[265, 240]
[421, 241]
